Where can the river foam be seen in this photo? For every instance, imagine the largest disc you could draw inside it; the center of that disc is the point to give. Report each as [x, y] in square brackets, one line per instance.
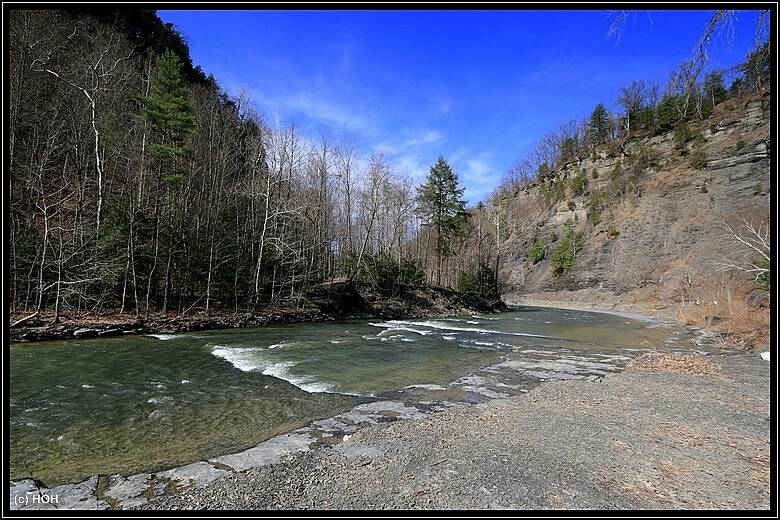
[252, 359]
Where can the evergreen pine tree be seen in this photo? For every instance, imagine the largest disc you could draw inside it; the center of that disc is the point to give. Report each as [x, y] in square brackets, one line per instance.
[169, 115]
[600, 124]
[441, 207]
[168, 111]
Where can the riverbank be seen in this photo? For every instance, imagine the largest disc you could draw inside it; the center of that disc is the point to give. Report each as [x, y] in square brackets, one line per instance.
[732, 325]
[596, 301]
[676, 435]
[650, 437]
[331, 301]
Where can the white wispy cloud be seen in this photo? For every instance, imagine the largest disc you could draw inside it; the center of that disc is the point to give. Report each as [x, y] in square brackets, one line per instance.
[478, 174]
[443, 104]
[424, 137]
[327, 111]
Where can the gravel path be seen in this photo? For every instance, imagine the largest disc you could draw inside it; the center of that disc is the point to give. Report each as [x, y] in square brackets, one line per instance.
[658, 436]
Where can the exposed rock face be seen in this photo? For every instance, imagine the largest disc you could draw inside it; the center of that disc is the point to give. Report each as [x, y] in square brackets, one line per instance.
[663, 239]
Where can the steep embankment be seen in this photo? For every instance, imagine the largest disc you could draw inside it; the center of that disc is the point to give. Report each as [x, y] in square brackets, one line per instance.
[654, 236]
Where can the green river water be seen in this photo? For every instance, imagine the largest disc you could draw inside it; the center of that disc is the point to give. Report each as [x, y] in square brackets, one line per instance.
[145, 403]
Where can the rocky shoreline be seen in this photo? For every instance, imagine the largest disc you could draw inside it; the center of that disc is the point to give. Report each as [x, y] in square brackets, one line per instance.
[327, 302]
[603, 438]
[638, 440]
[664, 433]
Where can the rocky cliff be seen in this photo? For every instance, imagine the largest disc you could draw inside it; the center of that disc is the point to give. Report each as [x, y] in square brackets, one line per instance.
[655, 234]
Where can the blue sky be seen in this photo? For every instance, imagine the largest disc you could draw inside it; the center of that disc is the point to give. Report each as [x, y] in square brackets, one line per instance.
[479, 87]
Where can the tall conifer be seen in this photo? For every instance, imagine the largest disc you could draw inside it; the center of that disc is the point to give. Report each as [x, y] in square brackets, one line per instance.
[440, 205]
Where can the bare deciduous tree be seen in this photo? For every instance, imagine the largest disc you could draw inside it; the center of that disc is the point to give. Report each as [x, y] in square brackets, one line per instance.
[722, 24]
[633, 97]
[95, 70]
[750, 250]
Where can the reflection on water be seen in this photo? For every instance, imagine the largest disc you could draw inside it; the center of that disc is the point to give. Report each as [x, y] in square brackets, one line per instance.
[145, 403]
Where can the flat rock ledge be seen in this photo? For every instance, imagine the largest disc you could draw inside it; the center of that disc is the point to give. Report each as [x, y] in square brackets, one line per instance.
[510, 377]
[588, 438]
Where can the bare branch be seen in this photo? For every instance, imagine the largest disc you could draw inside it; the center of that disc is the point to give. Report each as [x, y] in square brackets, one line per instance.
[751, 250]
[618, 25]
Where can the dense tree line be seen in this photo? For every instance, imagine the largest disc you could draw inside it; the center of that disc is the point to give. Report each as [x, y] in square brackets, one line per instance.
[137, 185]
[134, 188]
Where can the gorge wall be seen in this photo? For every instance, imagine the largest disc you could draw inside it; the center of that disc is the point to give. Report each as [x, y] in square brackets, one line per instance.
[662, 241]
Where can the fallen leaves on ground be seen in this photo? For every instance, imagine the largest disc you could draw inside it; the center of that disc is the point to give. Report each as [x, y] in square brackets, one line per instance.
[673, 362]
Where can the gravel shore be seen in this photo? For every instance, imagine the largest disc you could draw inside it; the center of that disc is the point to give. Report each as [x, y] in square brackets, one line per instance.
[673, 433]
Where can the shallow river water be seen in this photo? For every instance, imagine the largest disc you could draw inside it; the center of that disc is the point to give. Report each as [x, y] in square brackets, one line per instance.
[132, 404]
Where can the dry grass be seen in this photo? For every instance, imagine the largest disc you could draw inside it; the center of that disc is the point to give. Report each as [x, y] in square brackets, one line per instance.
[739, 325]
[704, 314]
[749, 331]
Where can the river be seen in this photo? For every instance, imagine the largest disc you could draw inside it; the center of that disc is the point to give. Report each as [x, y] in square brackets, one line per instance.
[145, 403]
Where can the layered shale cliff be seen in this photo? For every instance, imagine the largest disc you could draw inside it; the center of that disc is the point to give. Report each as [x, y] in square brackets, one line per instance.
[653, 224]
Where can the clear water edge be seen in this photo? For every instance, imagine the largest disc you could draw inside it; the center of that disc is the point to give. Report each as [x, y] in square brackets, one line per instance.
[140, 404]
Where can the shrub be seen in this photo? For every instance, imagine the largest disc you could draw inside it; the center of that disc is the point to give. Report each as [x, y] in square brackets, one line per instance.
[536, 253]
[594, 208]
[698, 158]
[579, 183]
[466, 283]
[411, 272]
[385, 274]
[682, 134]
[561, 260]
[564, 255]
[642, 158]
[554, 190]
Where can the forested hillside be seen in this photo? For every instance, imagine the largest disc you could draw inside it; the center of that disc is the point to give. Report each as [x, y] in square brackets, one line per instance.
[137, 186]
